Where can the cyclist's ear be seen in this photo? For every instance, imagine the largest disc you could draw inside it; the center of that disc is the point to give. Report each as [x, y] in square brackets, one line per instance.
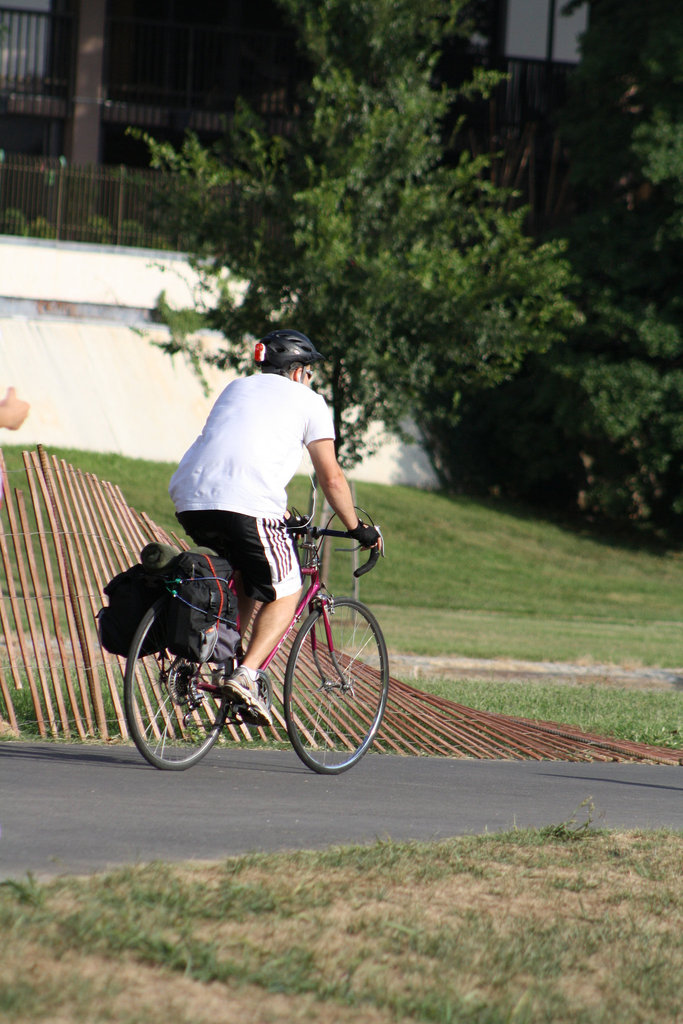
[301, 374]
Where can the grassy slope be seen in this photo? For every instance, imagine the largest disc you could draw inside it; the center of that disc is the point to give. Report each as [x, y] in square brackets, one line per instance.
[477, 578]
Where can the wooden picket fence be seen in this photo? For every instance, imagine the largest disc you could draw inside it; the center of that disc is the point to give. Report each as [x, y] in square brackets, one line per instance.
[65, 533]
[63, 536]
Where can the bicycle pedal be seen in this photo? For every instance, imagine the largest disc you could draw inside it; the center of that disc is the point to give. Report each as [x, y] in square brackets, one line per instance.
[236, 711]
[249, 717]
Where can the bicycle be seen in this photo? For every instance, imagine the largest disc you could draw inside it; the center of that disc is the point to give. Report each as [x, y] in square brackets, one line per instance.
[335, 686]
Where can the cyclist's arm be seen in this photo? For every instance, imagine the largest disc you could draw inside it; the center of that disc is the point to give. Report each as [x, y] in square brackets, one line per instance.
[332, 480]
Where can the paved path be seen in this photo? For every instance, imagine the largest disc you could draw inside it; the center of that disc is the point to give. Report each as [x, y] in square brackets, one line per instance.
[68, 809]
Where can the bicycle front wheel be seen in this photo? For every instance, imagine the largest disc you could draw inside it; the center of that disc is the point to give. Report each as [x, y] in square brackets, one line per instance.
[172, 720]
[336, 686]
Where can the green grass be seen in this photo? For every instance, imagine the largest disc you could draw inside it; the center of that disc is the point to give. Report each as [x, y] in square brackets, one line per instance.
[484, 580]
[563, 923]
[480, 579]
[653, 718]
[475, 634]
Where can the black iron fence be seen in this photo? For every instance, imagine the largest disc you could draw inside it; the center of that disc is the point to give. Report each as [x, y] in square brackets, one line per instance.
[189, 69]
[199, 68]
[46, 198]
[166, 77]
[156, 72]
[36, 53]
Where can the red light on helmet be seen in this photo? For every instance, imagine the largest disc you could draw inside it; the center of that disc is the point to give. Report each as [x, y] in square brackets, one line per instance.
[260, 352]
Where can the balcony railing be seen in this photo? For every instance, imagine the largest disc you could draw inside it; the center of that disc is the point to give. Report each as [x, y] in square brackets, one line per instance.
[531, 93]
[46, 198]
[36, 54]
[174, 75]
[196, 70]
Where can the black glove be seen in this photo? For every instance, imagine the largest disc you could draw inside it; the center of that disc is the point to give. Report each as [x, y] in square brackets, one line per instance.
[367, 536]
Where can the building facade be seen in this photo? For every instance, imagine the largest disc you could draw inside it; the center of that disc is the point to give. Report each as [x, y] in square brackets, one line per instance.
[75, 74]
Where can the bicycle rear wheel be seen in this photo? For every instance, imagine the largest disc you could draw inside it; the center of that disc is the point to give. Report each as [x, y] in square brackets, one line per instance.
[336, 691]
[172, 721]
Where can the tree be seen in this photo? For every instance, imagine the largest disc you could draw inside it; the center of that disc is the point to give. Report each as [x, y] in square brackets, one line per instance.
[625, 128]
[601, 417]
[404, 268]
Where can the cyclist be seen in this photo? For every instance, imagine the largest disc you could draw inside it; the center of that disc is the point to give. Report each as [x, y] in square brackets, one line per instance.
[229, 490]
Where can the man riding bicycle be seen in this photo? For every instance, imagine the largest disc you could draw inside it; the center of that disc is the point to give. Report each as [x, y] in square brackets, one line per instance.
[229, 490]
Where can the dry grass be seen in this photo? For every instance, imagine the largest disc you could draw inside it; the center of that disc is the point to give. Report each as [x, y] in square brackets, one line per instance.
[561, 924]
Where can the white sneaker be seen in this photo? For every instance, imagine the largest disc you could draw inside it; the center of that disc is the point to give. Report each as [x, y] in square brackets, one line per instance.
[241, 683]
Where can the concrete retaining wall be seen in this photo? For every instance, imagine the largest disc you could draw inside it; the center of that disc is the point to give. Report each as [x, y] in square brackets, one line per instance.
[77, 343]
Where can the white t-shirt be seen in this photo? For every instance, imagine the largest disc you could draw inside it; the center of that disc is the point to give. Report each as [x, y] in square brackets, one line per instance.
[251, 447]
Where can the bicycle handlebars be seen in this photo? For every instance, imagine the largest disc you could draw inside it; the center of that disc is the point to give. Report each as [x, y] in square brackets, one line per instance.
[370, 564]
[375, 552]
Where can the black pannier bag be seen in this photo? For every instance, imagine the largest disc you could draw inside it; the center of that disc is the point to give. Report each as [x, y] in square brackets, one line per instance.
[130, 595]
[202, 608]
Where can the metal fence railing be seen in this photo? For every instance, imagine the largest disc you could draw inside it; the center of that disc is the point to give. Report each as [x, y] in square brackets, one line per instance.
[36, 52]
[47, 198]
[161, 75]
[194, 67]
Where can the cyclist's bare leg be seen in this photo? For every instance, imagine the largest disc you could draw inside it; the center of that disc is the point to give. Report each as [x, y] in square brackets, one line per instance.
[270, 622]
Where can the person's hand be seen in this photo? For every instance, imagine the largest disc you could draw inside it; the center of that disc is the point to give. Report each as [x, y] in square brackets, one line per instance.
[13, 410]
[367, 536]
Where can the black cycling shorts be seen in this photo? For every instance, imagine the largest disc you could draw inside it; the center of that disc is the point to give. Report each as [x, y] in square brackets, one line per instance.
[263, 550]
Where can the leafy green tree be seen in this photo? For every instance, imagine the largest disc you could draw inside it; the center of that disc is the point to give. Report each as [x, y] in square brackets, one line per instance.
[625, 128]
[403, 266]
[601, 418]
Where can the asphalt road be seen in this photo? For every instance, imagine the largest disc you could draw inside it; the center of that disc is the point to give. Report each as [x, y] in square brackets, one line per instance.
[77, 809]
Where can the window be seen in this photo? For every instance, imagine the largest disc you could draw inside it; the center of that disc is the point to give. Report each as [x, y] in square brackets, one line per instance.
[538, 30]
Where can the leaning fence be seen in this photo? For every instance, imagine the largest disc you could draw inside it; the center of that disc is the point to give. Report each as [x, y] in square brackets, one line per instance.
[64, 533]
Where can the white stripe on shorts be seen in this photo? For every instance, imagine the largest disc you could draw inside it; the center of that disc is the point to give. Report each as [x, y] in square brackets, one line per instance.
[278, 547]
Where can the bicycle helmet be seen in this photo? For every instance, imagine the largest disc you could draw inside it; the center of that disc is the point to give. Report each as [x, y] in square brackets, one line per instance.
[279, 350]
